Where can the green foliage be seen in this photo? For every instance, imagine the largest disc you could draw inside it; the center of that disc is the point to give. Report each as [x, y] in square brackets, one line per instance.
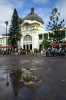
[20, 21]
[55, 25]
[45, 44]
[46, 36]
[14, 30]
[51, 36]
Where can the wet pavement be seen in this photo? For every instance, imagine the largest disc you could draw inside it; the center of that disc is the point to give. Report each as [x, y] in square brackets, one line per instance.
[27, 77]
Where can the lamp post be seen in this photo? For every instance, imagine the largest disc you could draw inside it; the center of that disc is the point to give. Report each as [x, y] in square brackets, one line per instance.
[6, 33]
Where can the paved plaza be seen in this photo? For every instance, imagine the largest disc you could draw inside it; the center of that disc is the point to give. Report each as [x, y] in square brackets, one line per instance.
[28, 77]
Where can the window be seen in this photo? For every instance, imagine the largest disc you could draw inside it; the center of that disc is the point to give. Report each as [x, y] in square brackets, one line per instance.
[45, 36]
[40, 37]
[27, 38]
[26, 26]
[50, 35]
[1, 40]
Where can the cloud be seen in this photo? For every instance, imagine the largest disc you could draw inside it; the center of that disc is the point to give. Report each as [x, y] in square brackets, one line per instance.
[41, 1]
[5, 14]
[44, 13]
[2, 29]
[6, 11]
[61, 5]
[17, 3]
[25, 13]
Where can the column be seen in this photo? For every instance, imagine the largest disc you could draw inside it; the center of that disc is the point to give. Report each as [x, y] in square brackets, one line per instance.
[48, 35]
[65, 35]
[28, 46]
[21, 43]
[25, 46]
[42, 36]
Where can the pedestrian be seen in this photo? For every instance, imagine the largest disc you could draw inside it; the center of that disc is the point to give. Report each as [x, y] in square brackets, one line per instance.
[18, 51]
[46, 52]
[41, 52]
[33, 52]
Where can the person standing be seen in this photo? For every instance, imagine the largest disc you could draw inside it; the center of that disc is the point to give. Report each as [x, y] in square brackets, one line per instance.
[18, 51]
[46, 52]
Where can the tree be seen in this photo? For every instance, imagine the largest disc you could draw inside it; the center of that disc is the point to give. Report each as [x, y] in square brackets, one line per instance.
[20, 20]
[45, 44]
[16, 83]
[14, 30]
[55, 25]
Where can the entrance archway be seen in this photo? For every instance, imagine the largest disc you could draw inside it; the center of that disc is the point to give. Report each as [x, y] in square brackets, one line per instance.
[27, 41]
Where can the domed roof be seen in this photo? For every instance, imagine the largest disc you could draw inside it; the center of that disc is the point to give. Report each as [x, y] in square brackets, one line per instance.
[32, 16]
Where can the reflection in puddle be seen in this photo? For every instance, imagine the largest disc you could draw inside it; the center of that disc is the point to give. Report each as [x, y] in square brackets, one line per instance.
[27, 77]
[22, 78]
[25, 86]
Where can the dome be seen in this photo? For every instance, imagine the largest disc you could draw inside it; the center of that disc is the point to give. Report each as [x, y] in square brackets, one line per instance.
[32, 16]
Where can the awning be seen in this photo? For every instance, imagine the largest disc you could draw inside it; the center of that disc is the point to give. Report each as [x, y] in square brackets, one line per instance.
[6, 46]
[58, 44]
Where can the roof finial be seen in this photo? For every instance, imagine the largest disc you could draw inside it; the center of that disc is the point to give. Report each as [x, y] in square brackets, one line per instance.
[32, 10]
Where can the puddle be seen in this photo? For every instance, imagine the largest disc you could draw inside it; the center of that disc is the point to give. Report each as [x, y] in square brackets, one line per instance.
[23, 84]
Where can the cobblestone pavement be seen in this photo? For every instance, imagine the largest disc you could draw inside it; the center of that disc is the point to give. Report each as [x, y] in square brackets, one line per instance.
[27, 77]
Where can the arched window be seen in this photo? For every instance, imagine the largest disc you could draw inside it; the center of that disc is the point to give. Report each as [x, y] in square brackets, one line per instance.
[27, 38]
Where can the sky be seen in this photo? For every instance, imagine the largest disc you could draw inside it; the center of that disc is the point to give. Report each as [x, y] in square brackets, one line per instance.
[42, 8]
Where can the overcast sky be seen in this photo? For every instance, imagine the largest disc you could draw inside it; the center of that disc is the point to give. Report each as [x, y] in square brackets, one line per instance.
[41, 7]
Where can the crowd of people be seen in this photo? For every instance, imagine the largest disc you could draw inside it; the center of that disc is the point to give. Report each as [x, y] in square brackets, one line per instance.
[9, 51]
[17, 51]
[47, 52]
[53, 52]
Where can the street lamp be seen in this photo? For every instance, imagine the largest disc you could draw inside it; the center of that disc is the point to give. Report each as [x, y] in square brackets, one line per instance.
[6, 33]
